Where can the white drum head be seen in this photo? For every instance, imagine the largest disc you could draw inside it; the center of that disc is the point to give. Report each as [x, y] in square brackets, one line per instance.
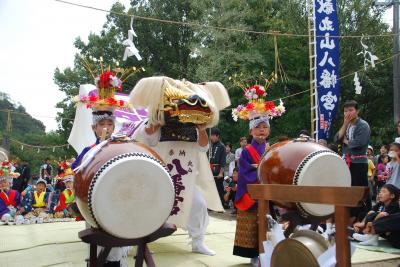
[131, 196]
[321, 168]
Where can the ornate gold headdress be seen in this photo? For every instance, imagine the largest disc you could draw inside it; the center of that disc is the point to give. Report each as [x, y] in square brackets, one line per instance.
[186, 107]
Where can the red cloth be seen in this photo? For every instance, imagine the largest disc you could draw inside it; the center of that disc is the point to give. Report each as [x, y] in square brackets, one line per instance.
[62, 205]
[9, 200]
[245, 203]
[253, 153]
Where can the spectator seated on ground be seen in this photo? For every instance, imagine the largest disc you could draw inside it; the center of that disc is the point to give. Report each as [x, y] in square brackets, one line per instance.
[9, 198]
[37, 205]
[388, 204]
[67, 197]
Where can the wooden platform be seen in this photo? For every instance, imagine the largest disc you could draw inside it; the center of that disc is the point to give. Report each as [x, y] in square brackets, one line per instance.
[57, 244]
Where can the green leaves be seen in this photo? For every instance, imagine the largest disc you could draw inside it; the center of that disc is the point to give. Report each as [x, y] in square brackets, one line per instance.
[204, 54]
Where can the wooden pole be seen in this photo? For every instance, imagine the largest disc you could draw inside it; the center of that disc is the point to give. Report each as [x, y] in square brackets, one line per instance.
[312, 67]
[263, 210]
[343, 255]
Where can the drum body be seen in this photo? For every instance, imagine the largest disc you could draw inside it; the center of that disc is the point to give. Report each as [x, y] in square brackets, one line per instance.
[305, 163]
[125, 190]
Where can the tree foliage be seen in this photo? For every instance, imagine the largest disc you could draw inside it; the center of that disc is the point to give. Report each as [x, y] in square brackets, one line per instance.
[201, 54]
[28, 130]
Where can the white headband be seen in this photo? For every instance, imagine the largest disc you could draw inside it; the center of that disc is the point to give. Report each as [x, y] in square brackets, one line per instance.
[69, 178]
[8, 179]
[105, 116]
[255, 122]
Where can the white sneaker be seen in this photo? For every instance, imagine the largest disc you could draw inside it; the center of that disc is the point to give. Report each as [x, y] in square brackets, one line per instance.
[254, 261]
[6, 218]
[361, 237]
[198, 246]
[372, 241]
[39, 220]
[27, 221]
[19, 219]
[330, 231]
[33, 220]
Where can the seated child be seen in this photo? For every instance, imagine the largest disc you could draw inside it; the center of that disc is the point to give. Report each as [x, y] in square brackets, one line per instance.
[9, 198]
[36, 204]
[67, 198]
[388, 204]
[61, 169]
[382, 172]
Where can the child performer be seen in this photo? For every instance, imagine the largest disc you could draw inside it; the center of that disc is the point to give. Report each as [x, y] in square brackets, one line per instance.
[258, 112]
[37, 203]
[67, 197]
[9, 198]
[101, 126]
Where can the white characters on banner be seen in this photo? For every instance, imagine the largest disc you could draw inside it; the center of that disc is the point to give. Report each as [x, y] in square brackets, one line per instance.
[368, 56]
[329, 101]
[327, 63]
[357, 84]
[326, 25]
[326, 6]
[328, 79]
[131, 49]
[328, 59]
[327, 43]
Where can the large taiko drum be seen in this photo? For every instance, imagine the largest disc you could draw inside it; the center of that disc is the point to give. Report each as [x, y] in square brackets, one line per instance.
[305, 163]
[125, 190]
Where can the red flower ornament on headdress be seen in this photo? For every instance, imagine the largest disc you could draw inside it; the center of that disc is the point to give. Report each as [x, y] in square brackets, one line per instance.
[257, 106]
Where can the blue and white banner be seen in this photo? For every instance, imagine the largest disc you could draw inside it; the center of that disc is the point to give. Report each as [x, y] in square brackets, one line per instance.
[327, 65]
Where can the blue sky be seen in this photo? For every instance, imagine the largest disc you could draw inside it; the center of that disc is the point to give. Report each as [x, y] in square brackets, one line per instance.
[37, 36]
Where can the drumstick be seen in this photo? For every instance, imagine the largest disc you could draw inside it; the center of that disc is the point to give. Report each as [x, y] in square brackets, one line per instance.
[103, 134]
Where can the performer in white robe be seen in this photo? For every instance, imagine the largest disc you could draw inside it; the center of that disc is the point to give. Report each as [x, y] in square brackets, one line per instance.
[183, 146]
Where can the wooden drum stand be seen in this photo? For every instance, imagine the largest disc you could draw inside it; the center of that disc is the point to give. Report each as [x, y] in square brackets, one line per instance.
[96, 237]
[341, 197]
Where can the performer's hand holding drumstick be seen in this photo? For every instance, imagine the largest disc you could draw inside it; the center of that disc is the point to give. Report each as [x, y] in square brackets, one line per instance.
[103, 134]
[202, 134]
[152, 128]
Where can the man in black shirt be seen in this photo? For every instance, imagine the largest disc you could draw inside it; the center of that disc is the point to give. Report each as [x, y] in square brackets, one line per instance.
[46, 171]
[217, 157]
[21, 182]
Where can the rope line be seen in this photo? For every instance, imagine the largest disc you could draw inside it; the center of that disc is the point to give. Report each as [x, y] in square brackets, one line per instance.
[197, 25]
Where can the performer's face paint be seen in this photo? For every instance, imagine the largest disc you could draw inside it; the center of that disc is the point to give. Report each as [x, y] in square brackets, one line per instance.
[107, 124]
[260, 133]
